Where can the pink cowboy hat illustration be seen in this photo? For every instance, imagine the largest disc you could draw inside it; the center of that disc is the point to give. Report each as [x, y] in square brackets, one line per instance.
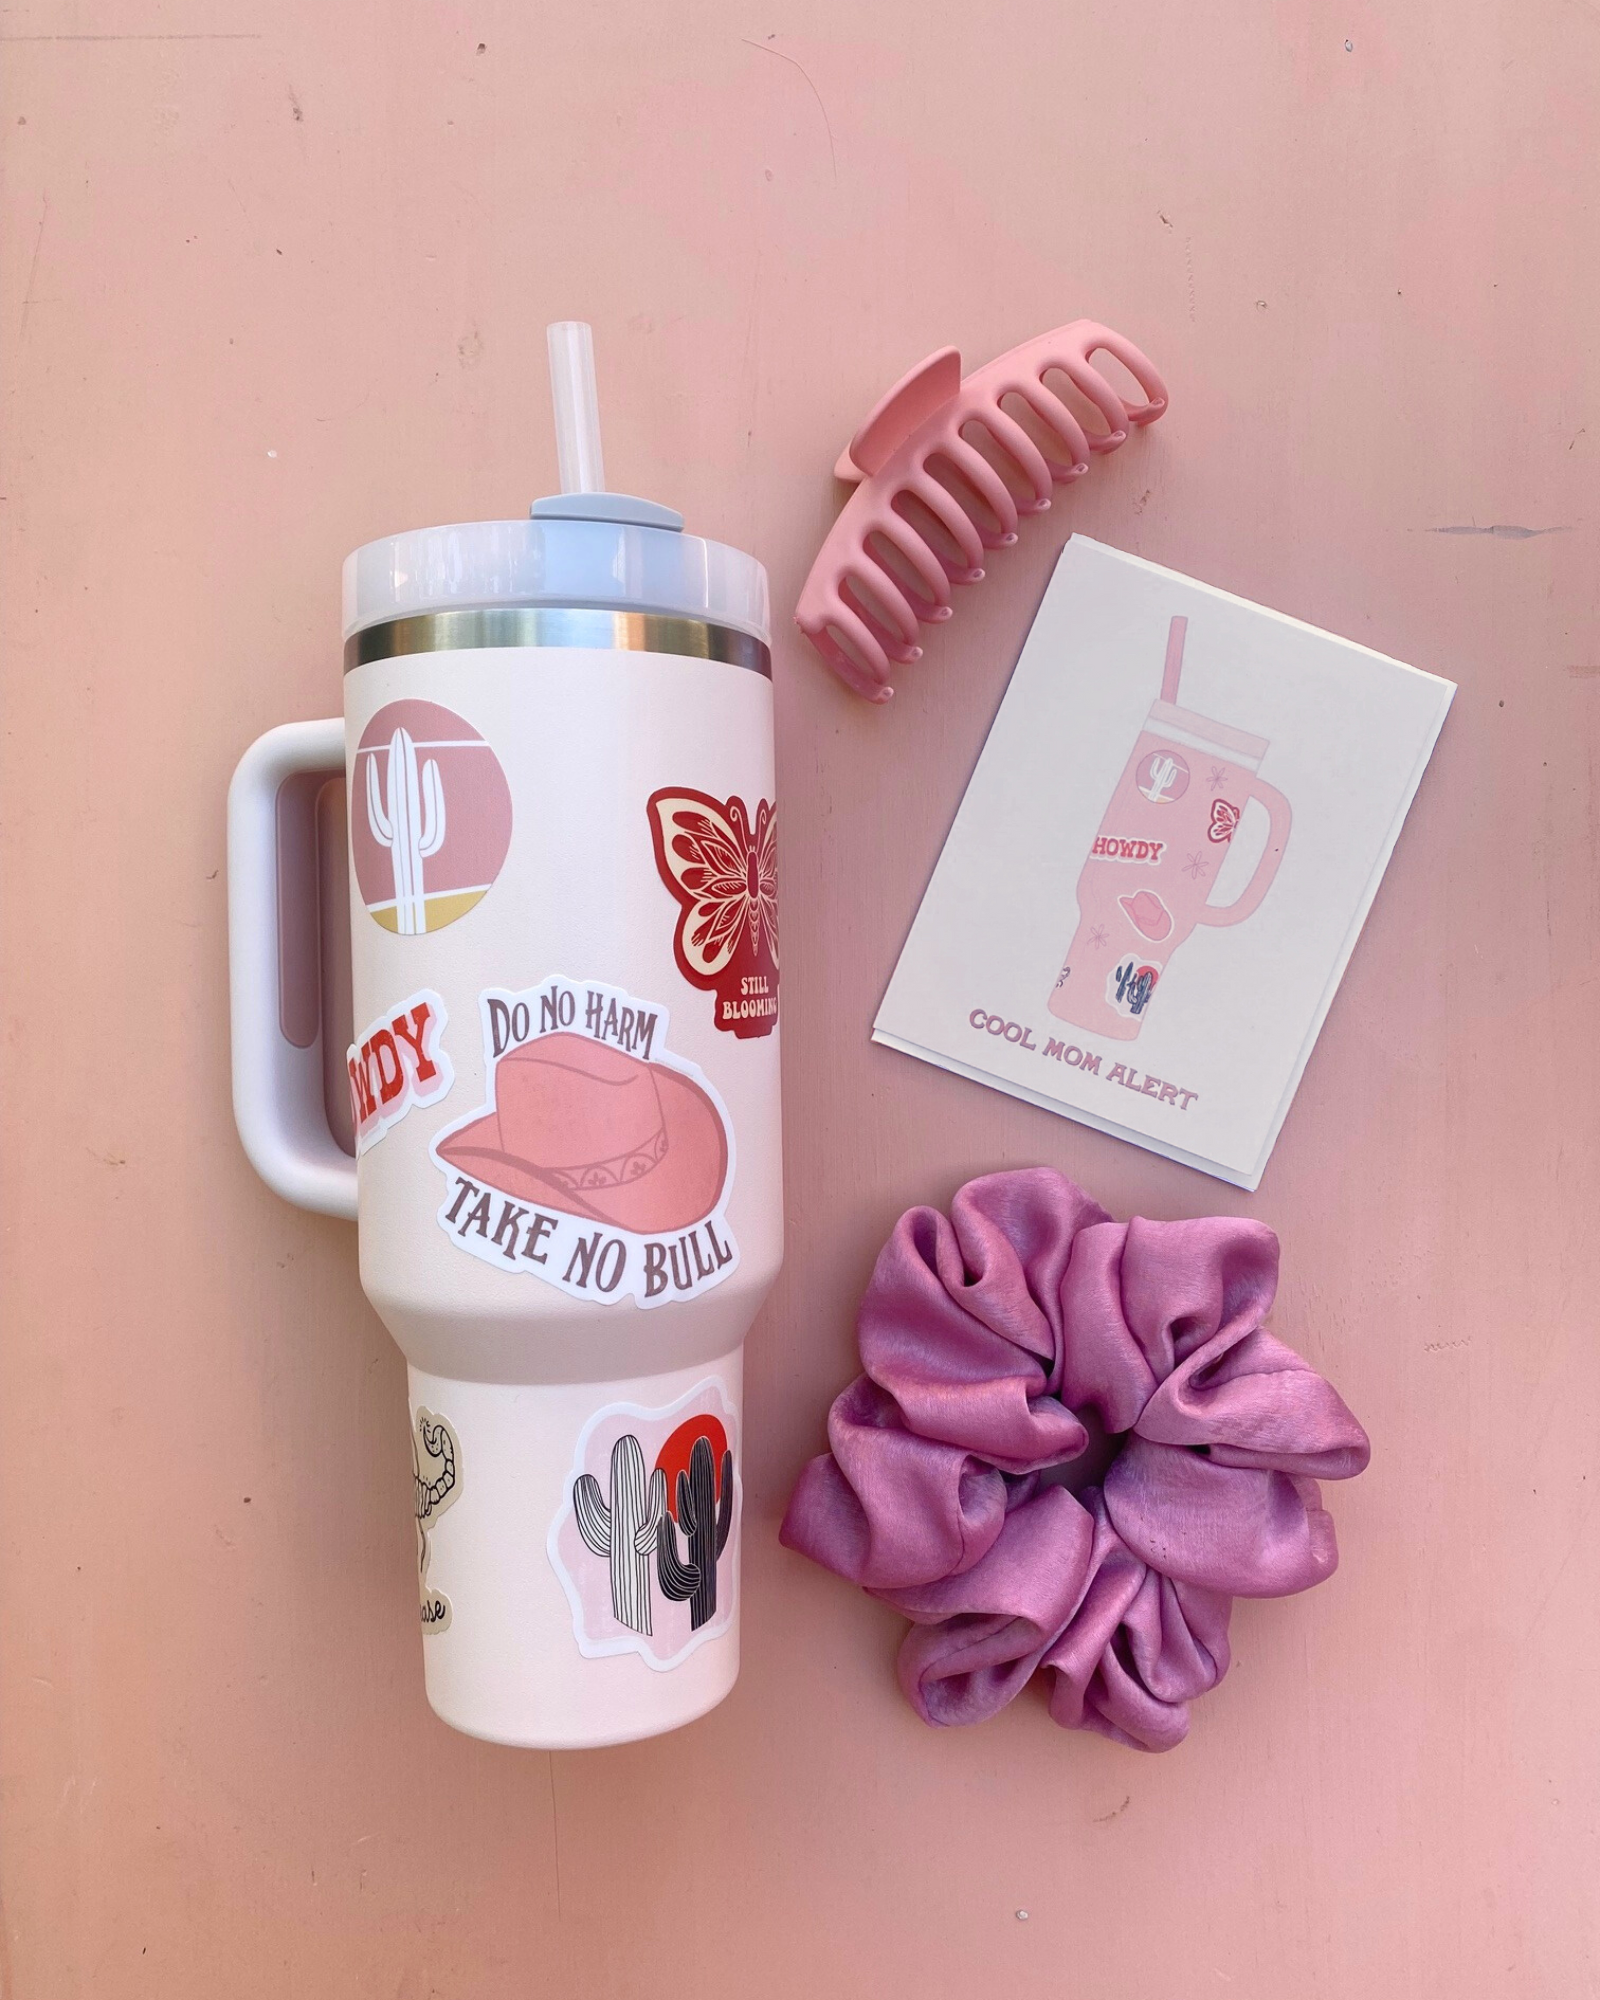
[584, 1128]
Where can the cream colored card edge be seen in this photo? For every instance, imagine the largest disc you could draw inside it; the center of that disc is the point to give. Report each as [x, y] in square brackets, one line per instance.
[1213, 1169]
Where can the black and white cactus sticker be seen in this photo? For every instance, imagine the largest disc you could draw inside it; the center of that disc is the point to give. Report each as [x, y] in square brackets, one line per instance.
[646, 1540]
[602, 1162]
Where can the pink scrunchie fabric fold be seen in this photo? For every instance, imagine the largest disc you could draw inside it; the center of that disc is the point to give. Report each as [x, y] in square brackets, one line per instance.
[983, 1335]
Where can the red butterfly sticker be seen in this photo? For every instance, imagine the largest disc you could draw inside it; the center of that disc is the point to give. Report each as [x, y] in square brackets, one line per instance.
[721, 864]
[1224, 821]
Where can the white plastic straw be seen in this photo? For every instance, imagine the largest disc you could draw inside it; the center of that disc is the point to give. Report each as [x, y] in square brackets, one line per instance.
[577, 406]
[1176, 632]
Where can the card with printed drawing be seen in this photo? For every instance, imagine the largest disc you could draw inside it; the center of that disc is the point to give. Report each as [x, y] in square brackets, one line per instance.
[1163, 861]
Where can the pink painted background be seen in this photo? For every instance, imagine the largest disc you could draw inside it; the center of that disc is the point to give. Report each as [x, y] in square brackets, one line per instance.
[273, 283]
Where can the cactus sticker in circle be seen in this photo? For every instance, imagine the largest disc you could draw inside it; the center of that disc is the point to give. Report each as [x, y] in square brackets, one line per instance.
[430, 817]
[434, 1455]
[646, 1540]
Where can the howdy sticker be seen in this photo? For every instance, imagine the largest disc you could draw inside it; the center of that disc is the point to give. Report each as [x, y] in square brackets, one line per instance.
[721, 864]
[430, 817]
[1109, 847]
[601, 1163]
[646, 1540]
[434, 1451]
[399, 1062]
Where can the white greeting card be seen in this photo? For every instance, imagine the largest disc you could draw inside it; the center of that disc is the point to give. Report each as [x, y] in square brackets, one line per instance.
[1163, 861]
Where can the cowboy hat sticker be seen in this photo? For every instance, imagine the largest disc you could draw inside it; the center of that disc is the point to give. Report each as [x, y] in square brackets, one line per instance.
[646, 1539]
[601, 1162]
[398, 1063]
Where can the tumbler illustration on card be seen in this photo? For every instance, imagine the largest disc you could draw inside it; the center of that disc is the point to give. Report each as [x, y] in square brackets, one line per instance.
[1163, 861]
[1155, 859]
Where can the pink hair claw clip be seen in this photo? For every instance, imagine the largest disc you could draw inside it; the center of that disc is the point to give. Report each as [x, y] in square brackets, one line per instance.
[928, 501]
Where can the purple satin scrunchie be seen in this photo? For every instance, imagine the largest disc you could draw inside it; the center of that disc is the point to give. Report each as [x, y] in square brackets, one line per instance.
[983, 1336]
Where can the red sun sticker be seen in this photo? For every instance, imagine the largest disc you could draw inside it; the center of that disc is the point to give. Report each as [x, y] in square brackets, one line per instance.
[675, 1454]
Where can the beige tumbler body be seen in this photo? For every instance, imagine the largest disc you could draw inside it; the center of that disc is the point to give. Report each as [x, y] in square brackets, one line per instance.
[565, 1087]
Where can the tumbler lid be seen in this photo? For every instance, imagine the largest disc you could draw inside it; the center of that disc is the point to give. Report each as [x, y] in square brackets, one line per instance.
[1186, 726]
[581, 547]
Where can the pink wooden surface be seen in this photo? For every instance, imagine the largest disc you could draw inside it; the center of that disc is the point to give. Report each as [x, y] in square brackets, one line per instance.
[274, 283]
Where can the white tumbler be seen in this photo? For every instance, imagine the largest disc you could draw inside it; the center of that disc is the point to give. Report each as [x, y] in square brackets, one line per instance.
[563, 1076]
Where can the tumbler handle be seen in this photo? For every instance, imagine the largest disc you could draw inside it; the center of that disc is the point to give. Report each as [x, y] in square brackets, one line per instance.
[281, 1093]
[1246, 905]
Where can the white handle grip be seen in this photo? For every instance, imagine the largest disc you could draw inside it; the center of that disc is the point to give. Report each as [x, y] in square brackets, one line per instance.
[278, 1099]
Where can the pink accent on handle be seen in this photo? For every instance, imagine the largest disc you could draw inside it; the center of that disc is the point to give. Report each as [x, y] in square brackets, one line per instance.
[279, 1072]
[299, 942]
[1260, 882]
[1172, 673]
[314, 997]
[334, 996]
[858, 612]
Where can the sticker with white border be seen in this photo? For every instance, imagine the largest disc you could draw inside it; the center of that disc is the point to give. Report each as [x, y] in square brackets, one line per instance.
[646, 1542]
[398, 1063]
[601, 1162]
[435, 1464]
